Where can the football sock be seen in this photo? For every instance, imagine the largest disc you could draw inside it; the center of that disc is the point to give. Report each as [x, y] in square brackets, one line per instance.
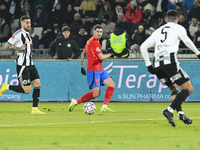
[180, 98]
[173, 93]
[86, 97]
[179, 108]
[170, 109]
[36, 96]
[180, 112]
[16, 88]
[108, 95]
[104, 106]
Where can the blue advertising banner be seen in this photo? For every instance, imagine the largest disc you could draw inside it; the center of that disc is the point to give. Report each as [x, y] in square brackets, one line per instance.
[62, 80]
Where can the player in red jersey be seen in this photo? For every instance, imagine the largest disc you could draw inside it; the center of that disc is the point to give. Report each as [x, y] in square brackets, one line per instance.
[96, 76]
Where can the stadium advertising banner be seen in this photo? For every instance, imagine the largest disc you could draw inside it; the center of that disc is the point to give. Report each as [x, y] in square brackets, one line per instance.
[62, 80]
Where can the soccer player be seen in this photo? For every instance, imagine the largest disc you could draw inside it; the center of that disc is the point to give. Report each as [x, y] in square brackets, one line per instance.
[96, 76]
[166, 66]
[26, 71]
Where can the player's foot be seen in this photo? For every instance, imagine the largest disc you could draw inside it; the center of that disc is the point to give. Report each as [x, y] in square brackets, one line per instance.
[169, 117]
[37, 111]
[3, 88]
[185, 119]
[106, 109]
[72, 105]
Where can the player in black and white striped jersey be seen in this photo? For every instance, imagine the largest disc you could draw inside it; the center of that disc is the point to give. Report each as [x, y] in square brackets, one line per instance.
[166, 66]
[26, 70]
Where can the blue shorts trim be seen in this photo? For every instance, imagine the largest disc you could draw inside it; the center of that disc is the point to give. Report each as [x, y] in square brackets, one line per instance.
[96, 78]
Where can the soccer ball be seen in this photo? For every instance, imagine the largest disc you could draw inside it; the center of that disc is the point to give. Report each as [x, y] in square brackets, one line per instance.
[89, 108]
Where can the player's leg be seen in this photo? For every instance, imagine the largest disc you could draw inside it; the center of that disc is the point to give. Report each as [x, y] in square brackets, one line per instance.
[187, 89]
[35, 81]
[24, 82]
[174, 92]
[162, 76]
[182, 79]
[90, 95]
[93, 79]
[107, 80]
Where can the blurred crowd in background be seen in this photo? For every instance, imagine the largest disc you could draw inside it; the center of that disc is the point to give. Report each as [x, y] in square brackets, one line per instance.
[138, 18]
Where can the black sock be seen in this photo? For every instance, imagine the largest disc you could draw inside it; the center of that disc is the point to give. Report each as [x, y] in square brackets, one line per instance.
[36, 96]
[179, 108]
[175, 92]
[176, 104]
[16, 88]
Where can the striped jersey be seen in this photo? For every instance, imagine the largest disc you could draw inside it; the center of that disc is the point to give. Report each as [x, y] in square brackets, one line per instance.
[19, 38]
[166, 41]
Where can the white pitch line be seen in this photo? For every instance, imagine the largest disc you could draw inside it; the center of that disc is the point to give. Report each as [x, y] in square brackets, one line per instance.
[87, 122]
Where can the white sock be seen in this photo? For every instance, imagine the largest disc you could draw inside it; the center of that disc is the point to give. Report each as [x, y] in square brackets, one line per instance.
[170, 109]
[104, 106]
[34, 108]
[75, 103]
[7, 87]
[180, 112]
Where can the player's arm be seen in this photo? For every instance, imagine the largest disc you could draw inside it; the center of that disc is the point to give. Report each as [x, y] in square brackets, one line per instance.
[143, 48]
[83, 54]
[83, 58]
[186, 40]
[9, 46]
[104, 56]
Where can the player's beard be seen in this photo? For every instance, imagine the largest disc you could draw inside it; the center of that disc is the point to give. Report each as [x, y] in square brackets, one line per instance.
[26, 29]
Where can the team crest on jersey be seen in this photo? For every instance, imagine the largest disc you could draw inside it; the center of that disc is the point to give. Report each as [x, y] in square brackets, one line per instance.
[68, 45]
[13, 36]
[98, 49]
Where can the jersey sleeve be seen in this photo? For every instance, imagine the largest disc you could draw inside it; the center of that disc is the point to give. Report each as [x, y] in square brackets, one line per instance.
[182, 31]
[14, 39]
[150, 42]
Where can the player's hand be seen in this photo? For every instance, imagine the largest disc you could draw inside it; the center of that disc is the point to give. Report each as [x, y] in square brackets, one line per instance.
[151, 69]
[110, 52]
[83, 71]
[112, 55]
[23, 47]
[198, 56]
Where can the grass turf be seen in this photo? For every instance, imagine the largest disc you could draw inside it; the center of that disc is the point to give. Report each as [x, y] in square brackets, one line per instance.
[138, 126]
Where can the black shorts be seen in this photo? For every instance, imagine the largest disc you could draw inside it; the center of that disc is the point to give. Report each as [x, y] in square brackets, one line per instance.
[170, 74]
[26, 74]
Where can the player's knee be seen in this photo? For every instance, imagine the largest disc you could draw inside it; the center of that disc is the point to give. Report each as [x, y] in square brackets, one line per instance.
[95, 95]
[113, 84]
[191, 89]
[37, 84]
[27, 89]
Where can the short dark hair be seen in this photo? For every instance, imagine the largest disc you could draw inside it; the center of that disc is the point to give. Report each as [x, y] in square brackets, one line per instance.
[97, 26]
[24, 18]
[65, 28]
[172, 15]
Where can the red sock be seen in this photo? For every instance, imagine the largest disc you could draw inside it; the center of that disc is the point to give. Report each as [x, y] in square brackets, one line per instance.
[108, 95]
[88, 96]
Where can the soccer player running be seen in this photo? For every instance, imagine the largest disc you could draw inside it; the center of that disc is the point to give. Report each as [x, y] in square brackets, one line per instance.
[26, 71]
[166, 66]
[96, 76]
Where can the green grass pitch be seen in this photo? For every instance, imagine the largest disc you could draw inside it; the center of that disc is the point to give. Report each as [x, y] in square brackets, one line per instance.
[134, 126]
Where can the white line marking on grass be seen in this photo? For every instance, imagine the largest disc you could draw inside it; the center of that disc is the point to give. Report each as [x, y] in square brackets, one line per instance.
[87, 122]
